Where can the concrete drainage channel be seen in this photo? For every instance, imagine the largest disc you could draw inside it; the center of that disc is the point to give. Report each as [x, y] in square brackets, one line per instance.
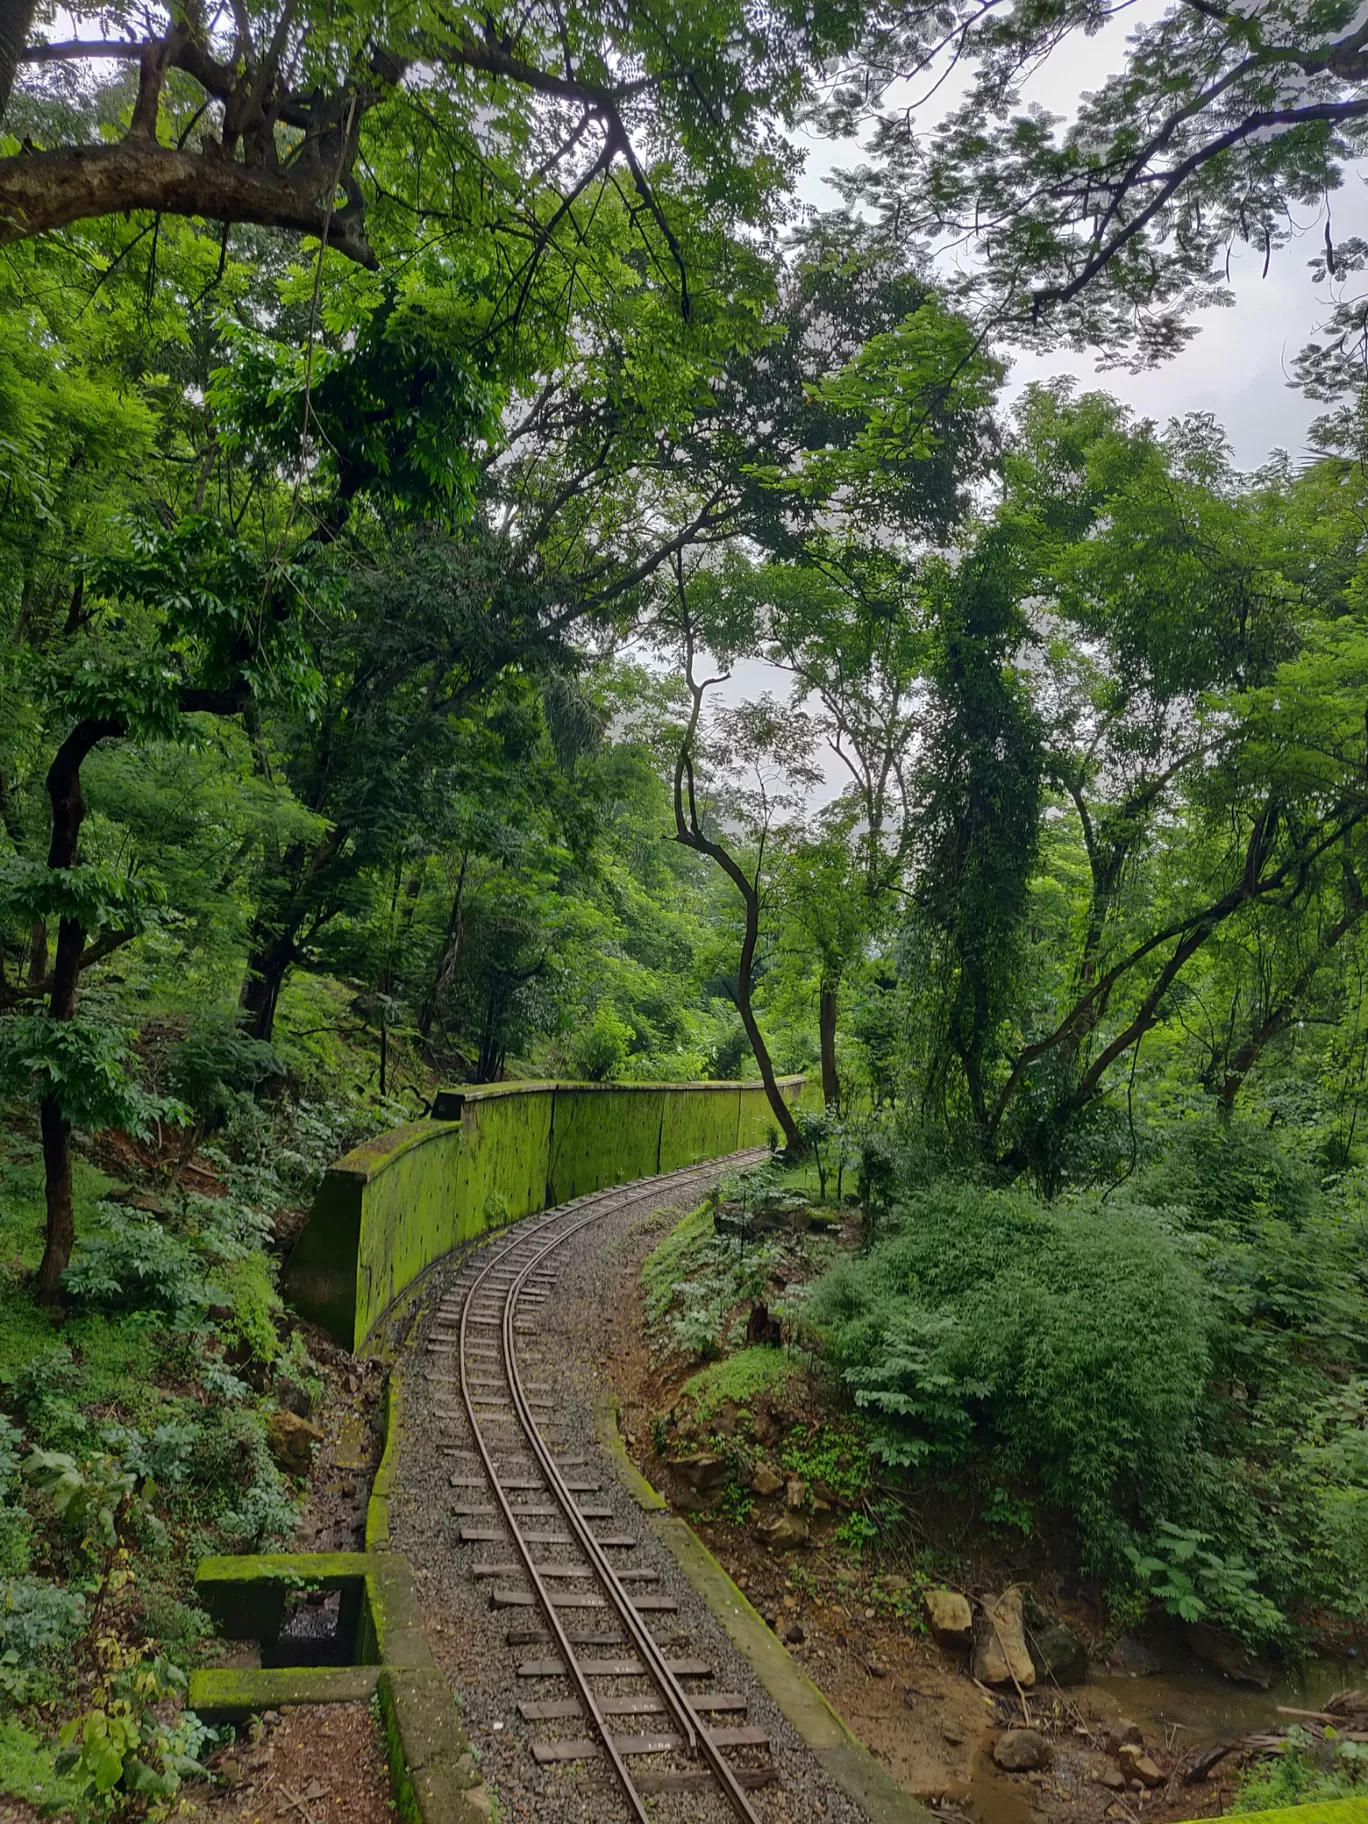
[630, 1705]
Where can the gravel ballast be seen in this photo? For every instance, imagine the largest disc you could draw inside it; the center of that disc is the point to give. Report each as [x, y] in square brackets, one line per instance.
[470, 1637]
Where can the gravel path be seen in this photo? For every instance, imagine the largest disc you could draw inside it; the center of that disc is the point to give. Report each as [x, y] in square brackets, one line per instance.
[471, 1639]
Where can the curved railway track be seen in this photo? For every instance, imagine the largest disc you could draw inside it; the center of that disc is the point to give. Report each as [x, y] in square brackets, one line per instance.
[562, 1564]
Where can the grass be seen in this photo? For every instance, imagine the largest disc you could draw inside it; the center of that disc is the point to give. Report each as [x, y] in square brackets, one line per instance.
[667, 1264]
[27, 1771]
[738, 1378]
[116, 1358]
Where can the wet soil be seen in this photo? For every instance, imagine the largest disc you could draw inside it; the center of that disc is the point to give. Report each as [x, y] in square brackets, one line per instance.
[320, 1764]
[914, 1705]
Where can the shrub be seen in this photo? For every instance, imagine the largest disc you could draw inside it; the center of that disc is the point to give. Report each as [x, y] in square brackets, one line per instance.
[135, 1262]
[1228, 1176]
[1067, 1342]
[1305, 1773]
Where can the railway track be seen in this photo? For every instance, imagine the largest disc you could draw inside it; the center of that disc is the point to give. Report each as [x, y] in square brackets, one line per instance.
[517, 1490]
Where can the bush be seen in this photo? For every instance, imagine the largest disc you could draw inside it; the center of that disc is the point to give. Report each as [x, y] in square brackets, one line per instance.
[136, 1263]
[1228, 1177]
[1305, 1773]
[1068, 1344]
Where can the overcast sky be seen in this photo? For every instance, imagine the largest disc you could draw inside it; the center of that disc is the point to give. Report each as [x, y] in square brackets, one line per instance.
[1238, 367]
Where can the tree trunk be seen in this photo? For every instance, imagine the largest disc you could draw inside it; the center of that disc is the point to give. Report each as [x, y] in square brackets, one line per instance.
[267, 968]
[68, 814]
[446, 960]
[783, 1114]
[61, 1219]
[826, 1022]
[16, 19]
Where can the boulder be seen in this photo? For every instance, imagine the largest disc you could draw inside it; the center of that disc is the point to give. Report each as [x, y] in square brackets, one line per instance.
[702, 1469]
[1021, 1751]
[949, 1618]
[291, 1397]
[292, 1442]
[1060, 1655]
[1228, 1655]
[783, 1532]
[795, 1494]
[1132, 1658]
[765, 1481]
[1000, 1655]
[1121, 1734]
[1113, 1779]
[1137, 1765]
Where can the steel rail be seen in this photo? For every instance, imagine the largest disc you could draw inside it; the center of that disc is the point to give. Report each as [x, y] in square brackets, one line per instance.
[651, 1653]
[586, 1694]
[687, 1719]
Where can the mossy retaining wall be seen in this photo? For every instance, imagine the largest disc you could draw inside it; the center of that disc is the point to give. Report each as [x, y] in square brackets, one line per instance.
[491, 1154]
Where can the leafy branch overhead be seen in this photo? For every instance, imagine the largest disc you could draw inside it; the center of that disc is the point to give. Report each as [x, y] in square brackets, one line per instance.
[354, 128]
[1221, 126]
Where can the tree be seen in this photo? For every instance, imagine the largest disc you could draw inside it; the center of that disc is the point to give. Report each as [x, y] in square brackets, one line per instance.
[295, 119]
[1110, 229]
[754, 763]
[1185, 726]
[217, 631]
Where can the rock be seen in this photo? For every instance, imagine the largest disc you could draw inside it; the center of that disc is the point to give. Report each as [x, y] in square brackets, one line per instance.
[1137, 1765]
[949, 1618]
[1000, 1655]
[765, 1481]
[702, 1469]
[1059, 1654]
[783, 1532]
[795, 1494]
[795, 1635]
[1132, 1658]
[1121, 1734]
[291, 1397]
[292, 1441]
[874, 1665]
[953, 1736]
[1113, 1779]
[1021, 1751]
[1228, 1655]
[146, 1202]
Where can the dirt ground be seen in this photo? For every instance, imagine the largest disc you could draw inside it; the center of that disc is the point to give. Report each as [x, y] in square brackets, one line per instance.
[322, 1764]
[913, 1705]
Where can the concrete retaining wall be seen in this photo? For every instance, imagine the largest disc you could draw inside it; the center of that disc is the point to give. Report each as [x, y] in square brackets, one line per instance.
[490, 1155]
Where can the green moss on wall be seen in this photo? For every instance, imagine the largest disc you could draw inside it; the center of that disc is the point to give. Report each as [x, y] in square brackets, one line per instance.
[395, 1205]
[601, 1136]
[700, 1122]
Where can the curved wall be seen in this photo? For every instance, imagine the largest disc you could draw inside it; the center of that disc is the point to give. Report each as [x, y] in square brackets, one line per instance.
[488, 1156]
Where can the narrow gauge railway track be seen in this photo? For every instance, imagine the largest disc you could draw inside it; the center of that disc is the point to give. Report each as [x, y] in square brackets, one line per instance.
[481, 1319]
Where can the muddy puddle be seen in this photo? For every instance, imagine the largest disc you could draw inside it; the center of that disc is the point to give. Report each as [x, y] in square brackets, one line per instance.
[1181, 1711]
[1192, 1709]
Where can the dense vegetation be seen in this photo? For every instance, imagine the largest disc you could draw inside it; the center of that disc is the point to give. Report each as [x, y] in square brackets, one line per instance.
[404, 423]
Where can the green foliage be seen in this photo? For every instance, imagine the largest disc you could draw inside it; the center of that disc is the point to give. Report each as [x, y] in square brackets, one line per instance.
[1194, 1582]
[1066, 1345]
[1305, 1773]
[836, 1453]
[135, 1263]
[122, 1752]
